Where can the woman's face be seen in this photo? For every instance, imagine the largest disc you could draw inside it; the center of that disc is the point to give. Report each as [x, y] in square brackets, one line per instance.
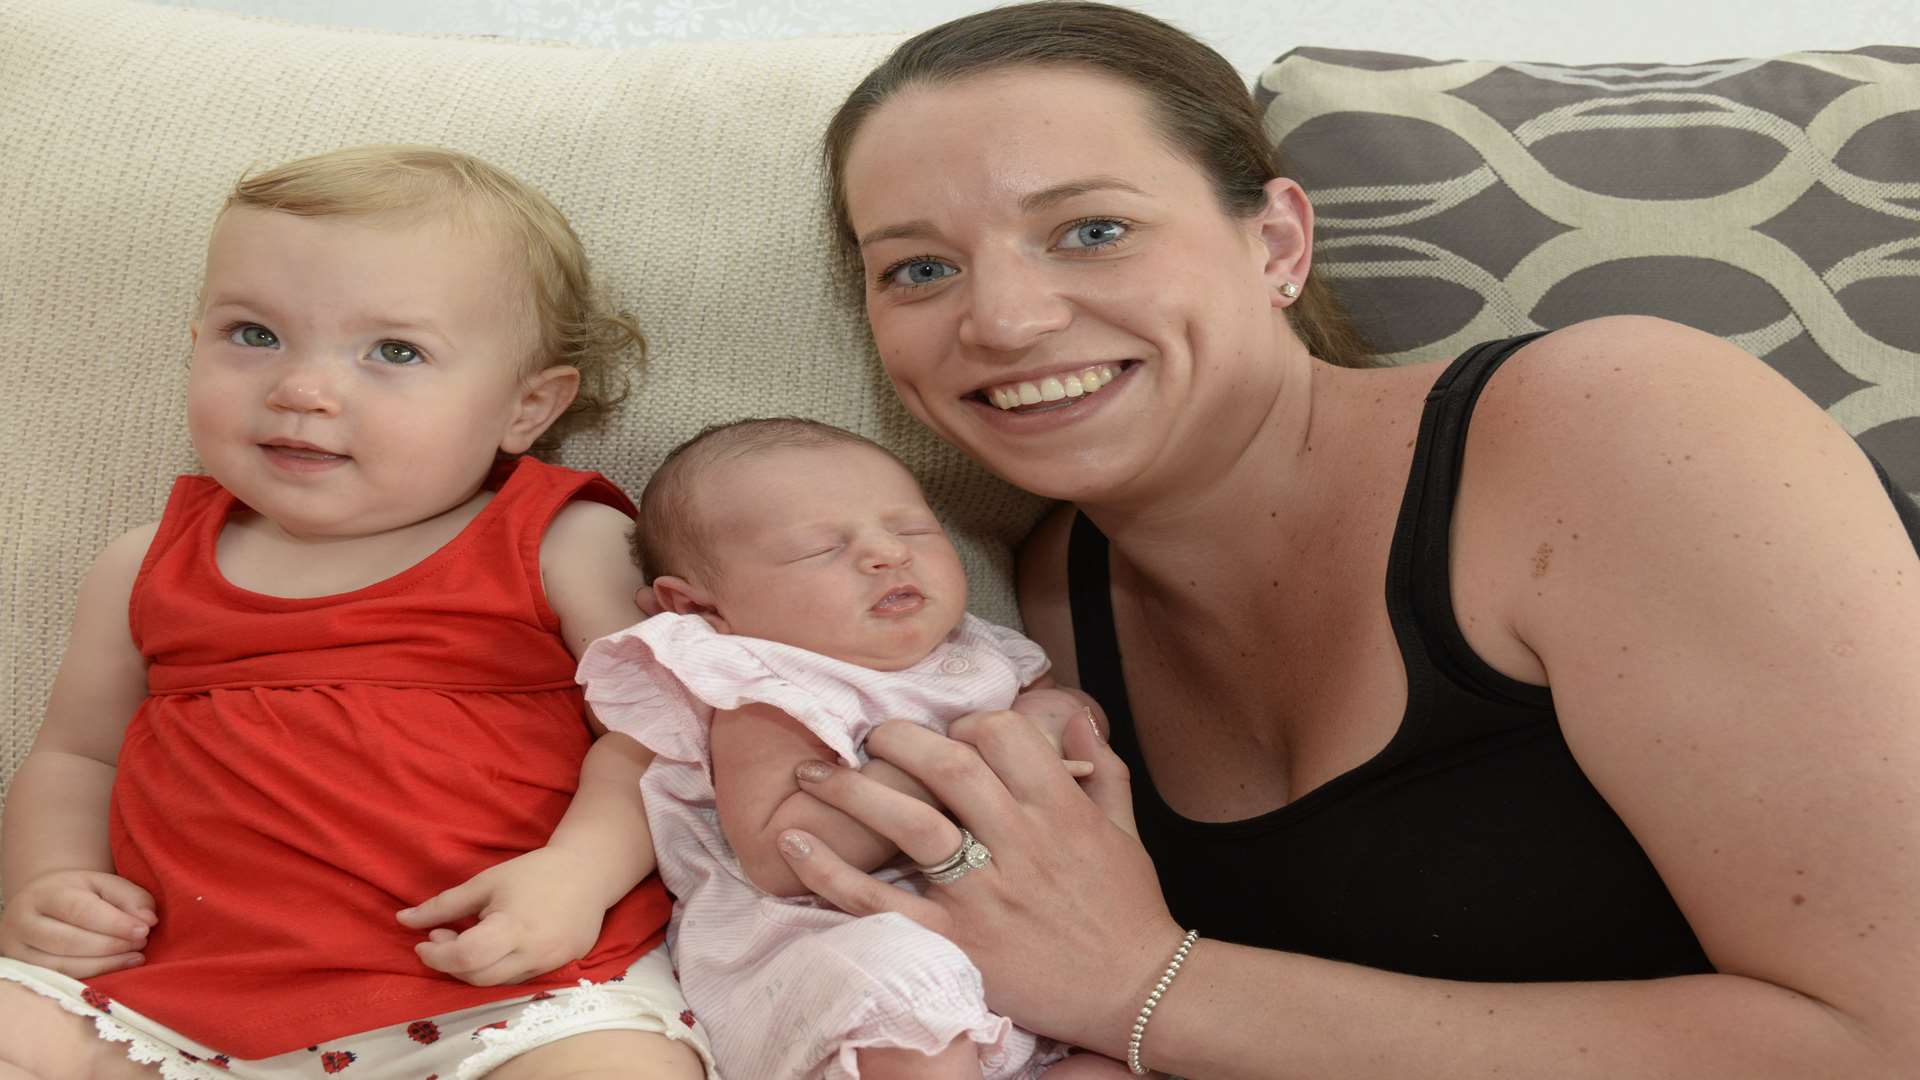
[1056, 290]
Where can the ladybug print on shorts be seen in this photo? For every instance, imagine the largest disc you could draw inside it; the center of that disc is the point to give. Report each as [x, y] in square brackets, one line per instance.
[686, 1017]
[335, 1060]
[97, 999]
[423, 1031]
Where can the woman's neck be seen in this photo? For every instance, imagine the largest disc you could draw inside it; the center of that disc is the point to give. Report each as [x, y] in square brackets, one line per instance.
[1240, 496]
[1320, 478]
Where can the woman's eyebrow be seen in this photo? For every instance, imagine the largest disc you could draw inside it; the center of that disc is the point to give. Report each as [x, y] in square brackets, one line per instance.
[906, 230]
[1029, 203]
[1059, 193]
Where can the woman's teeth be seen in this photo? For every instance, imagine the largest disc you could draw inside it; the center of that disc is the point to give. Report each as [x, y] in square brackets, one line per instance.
[1052, 388]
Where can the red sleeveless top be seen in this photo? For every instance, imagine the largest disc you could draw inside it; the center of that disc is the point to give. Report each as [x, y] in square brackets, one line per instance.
[303, 768]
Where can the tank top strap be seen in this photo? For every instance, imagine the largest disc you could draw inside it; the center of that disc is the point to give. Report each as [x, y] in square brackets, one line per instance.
[1096, 645]
[1419, 581]
[529, 494]
[197, 509]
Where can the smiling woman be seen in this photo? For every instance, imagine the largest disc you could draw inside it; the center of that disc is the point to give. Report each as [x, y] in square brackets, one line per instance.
[1434, 803]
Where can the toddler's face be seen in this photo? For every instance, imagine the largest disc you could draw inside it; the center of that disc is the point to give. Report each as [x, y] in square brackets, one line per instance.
[353, 375]
[833, 549]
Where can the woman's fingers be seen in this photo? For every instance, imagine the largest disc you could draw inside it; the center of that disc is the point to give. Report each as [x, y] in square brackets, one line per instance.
[1018, 753]
[921, 832]
[849, 889]
[1110, 785]
[954, 771]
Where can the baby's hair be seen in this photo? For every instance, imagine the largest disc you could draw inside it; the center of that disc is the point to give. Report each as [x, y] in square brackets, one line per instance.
[671, 537]
[577, 324]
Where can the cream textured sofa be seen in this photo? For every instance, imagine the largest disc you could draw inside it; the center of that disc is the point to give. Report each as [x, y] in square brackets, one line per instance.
[690, 171]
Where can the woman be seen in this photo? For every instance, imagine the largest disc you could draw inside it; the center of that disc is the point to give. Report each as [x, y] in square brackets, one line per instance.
[1622, 778]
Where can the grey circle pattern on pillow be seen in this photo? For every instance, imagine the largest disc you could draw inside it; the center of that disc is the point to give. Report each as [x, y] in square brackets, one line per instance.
[1774, 202]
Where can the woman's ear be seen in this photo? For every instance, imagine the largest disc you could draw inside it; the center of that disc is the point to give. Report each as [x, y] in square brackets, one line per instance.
[1286, 234]
[683, 597]
[543, 397]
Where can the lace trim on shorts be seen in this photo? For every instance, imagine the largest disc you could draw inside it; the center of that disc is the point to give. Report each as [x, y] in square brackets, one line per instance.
[140, 1049]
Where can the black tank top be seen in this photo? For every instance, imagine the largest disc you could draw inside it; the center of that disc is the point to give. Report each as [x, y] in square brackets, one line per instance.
[1472, 846]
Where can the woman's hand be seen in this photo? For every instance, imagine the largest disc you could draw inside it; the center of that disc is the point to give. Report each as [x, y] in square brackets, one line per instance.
[1066, 923]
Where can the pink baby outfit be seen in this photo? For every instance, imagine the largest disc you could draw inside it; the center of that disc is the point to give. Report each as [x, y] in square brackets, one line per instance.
[791, 988]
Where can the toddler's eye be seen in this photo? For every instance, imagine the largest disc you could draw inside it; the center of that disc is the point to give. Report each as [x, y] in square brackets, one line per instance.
[397, 352]
[916, 272]
[253, 335]
[1093, 233]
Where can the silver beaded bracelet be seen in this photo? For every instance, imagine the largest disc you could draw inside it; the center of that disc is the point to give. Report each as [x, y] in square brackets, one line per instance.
[1153, 1001]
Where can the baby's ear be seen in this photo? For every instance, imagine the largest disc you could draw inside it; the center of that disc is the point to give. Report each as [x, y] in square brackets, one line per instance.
[683, 597]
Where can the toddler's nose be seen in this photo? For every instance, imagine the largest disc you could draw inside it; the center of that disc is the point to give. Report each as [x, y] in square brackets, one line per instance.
[303, 388]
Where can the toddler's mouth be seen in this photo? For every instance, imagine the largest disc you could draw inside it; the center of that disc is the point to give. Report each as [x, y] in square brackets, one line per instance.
[290, 450]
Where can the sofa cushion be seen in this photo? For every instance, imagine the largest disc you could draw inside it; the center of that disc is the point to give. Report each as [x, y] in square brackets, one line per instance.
[1774, 202]
[690, 171]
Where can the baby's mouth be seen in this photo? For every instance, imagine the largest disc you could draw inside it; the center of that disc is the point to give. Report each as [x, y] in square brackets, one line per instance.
[1015, 396]
[902, 600]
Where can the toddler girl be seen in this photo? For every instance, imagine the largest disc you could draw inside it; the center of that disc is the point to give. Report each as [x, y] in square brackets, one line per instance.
[808, 595]
[335, 678]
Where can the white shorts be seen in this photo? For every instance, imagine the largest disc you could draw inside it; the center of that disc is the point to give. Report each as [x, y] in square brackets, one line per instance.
[458, 1046]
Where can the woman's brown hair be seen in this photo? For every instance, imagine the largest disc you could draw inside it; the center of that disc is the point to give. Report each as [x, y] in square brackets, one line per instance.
[1196, 100]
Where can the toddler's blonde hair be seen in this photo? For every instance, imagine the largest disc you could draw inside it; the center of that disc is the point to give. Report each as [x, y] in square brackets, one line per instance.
[577, 325]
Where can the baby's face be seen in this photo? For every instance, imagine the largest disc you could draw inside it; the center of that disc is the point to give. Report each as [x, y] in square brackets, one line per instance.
[832, 549]
[356, 375]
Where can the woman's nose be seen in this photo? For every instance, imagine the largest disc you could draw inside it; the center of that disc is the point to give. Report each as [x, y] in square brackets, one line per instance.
[1011, 305]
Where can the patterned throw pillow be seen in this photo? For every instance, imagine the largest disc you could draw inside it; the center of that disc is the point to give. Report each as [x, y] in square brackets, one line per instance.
[1775, 202]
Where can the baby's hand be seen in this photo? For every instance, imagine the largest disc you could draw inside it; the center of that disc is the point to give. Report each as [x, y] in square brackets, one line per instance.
[536, 913]
[80, 923]
[1052, 708]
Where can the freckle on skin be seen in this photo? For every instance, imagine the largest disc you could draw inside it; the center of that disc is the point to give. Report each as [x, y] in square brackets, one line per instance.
[1798, 899]
[1542, 557]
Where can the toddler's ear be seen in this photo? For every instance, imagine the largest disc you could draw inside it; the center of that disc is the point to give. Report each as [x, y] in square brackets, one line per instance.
[542, 399]
[683, 597]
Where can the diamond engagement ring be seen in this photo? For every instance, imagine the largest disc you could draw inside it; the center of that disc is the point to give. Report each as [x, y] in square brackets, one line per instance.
[971, 856]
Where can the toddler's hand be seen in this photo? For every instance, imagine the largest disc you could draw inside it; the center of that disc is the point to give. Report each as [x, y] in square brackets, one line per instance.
[535, 914]
[80, 923]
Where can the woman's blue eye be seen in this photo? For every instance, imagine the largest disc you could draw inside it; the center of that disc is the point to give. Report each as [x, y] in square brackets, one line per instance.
[253, 335]
[1093, 234]
[397, 352]
[918, 272]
